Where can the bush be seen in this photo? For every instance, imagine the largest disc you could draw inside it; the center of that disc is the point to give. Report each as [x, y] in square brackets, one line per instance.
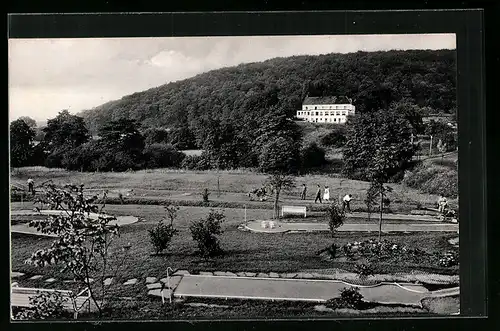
[364, 270]
[349, 298]
[205, 195]
[44, 305]
[448, 259]
[204, 232]
[161, 236]
[334, 139]
[195, 162]
[160, 155]
[312, 156]
[336, 217]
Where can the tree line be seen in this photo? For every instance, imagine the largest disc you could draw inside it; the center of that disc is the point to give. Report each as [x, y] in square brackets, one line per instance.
[122, 145]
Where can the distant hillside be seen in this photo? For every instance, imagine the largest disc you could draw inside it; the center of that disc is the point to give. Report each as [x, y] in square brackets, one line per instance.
[371, 79]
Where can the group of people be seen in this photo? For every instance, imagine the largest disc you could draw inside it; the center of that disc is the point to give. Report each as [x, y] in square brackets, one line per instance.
[324, 195]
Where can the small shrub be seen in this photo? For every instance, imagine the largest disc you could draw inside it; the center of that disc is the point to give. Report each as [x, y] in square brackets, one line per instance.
[205, 194]
[161, 236]
[448, 259]
[44, 305]
[204, 232]
[349, 298]
[364, 270]
[336, 217]
[332, 250]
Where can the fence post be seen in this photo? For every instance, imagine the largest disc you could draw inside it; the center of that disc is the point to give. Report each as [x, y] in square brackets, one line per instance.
[430, 147]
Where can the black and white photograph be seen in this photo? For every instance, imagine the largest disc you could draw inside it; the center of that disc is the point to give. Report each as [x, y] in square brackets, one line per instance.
[233, 177]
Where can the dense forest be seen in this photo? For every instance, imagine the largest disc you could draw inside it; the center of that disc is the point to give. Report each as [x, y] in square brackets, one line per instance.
[239, 95]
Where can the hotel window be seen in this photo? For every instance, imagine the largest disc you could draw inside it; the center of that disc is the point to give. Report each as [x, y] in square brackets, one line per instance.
[337, 113]
[307, 113]
[335, 120]
[306, 107]
[316, 113]
[315, 108]
[344, 113]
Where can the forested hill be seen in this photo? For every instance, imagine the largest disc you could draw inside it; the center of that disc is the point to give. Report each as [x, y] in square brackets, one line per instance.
[372, 79]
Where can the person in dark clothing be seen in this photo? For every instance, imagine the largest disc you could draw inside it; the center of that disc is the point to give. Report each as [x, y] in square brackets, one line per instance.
[30, 185]
[318, 195]
[303, 193]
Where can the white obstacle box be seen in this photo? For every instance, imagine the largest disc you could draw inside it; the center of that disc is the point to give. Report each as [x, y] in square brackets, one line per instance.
[264, 224]
[294, 210]
[268, 224]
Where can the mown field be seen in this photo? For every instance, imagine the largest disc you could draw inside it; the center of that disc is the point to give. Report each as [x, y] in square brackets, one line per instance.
[254, 252]
[150, 186]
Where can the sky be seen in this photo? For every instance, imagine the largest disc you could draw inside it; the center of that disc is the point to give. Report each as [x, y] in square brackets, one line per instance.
[49, 75]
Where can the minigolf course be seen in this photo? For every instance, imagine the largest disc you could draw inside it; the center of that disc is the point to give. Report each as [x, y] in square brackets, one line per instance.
[298, 289]
[25, 229]
[264, 226]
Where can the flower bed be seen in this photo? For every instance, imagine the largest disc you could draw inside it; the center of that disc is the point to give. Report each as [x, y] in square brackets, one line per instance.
[374, 250]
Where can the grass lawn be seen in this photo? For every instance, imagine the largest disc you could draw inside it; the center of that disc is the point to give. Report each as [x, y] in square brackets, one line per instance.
[200, 308]
[448, 305]
[245, 251]
[151, 186]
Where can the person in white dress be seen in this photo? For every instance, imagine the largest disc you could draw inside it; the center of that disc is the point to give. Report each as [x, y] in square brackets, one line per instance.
[326, 194]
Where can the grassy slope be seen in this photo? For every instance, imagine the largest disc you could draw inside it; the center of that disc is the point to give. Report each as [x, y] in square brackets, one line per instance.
[161, 183]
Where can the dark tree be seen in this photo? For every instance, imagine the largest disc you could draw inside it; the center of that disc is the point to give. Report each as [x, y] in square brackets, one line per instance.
[21, 143]
[124, 144]
[29, 121]
[378, 144]
[64, 132]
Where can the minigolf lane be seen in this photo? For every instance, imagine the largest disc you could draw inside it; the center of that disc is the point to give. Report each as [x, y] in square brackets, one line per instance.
[293, 289]
[25, 229]
[280, 227]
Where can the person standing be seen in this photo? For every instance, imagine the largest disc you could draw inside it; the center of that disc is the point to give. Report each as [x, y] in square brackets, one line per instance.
[303, 193]
[318, 195]
[442, 203]
[326, 194]
[346, 202]
[31, 185]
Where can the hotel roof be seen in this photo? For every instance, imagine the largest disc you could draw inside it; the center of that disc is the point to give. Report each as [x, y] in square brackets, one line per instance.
[327, 100]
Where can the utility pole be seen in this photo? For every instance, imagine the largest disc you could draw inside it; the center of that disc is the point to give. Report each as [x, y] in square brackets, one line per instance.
[218, 180]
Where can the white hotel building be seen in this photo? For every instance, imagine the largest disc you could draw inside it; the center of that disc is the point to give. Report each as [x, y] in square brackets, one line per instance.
[326, 109]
